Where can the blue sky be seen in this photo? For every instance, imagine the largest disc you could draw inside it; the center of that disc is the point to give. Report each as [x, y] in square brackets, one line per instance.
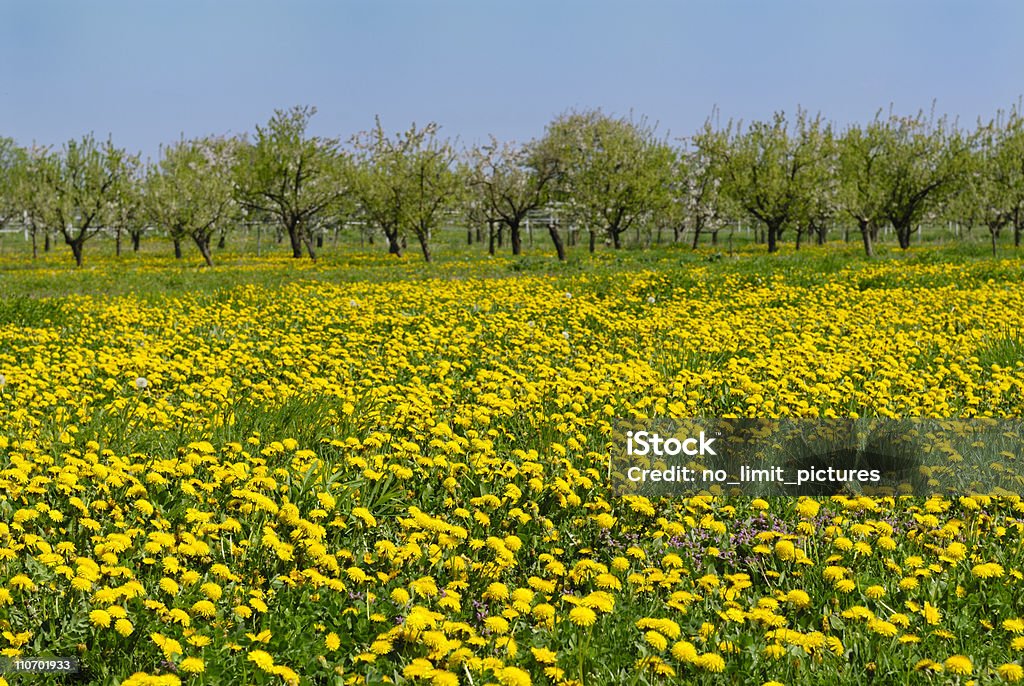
[146, 71]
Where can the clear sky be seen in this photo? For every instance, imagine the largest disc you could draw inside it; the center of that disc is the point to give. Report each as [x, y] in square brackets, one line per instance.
[147, 71]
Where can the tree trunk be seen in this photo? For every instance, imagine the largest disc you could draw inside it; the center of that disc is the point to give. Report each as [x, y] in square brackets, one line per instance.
[177, 248]
[593, 241]
[517, 239]
[117, 242]
[903, 236]
[501, 235]
[556, 238]
[799, 235]
[308, 242]
[714, 237]
[424, 245]
[35, 247]
[865, 232]
[490, 237]
[696, 236]
[394, 247]
[995, 237]
[77, 246]
[295, 236]
[773, 235]
[616, 238]
[46, 241]
[203, 243]
[1017, 228]
[469, 236]
[320, 240]
[222, 241]
[675, 234]
[136, 239]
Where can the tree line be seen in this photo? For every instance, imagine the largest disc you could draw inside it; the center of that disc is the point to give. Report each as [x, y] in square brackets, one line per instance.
[590, 176]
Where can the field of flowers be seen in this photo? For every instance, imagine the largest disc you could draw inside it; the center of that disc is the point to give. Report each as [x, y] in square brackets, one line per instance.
[356, 474]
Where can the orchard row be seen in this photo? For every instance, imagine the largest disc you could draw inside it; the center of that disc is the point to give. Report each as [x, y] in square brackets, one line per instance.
[592, 176]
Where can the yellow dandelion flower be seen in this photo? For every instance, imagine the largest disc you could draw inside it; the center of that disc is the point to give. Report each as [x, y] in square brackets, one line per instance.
[192, 665]
[544, 656]
[442, 677]
[959, 664]
[496, 624]
[1011, 672]
[513, 676]
[582, 616]
[100, 618]
[711, 662]
[988, 570]
[798, 598]
[684, 651]
[262, 659]
[656, 640]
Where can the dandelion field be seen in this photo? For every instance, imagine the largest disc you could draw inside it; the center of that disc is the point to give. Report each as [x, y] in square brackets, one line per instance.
[364, 471]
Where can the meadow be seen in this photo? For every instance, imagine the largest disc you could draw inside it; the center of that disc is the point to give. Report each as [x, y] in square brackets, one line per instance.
[368, 470]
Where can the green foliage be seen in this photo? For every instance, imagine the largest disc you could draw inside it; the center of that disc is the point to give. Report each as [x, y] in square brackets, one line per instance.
[11, 160]
[993, 192]
[774, 173]
[22, 310]
[296, 179]
[406, 184]
[701, 202]
[78, 191]
[614, 173]
[920, 161]
[506, 186]
[190, 193]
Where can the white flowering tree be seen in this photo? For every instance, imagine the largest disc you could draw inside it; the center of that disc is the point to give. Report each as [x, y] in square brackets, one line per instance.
[11, 162]
[920, 162]
[506, 187]
[614, 172]
[407, 183]
[297, 179]
[994, 188]
[819, 203]
[770, 171]
[190, 192]
[860, 190]
[77, 191]
[704, 206]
